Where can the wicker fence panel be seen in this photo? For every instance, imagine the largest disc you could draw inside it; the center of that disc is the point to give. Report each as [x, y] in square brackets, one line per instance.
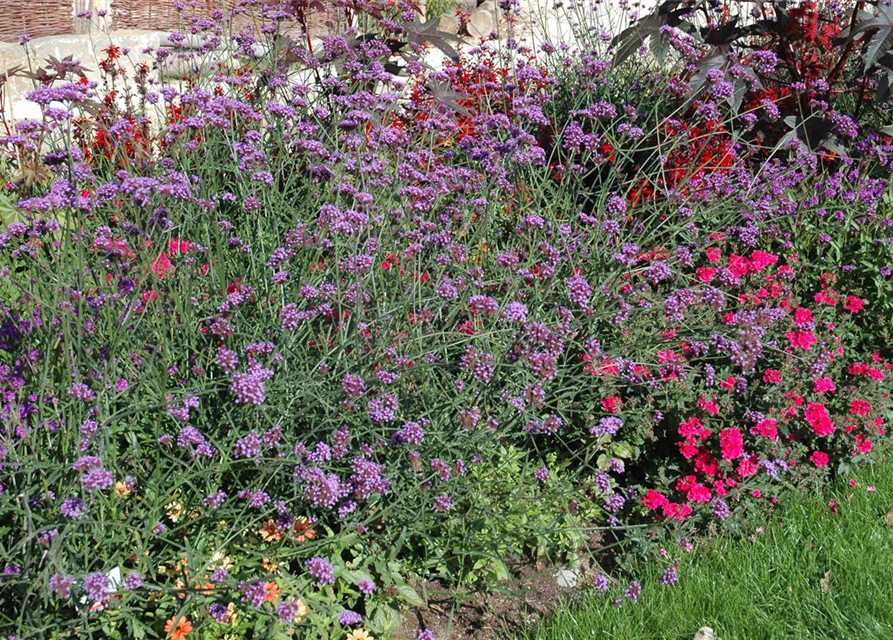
[159, 15]
[37, 18]
[162, 16]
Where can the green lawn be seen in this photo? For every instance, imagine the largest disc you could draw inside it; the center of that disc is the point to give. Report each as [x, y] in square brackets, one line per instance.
[771, 587]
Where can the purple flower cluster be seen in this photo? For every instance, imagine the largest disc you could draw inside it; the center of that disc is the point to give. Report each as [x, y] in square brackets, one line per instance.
[321, 570]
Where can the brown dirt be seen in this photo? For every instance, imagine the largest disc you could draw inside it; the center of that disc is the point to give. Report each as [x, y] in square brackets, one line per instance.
[506, 607]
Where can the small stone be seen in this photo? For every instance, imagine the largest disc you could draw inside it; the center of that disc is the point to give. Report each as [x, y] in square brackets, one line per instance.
[567, 578]
[705, 633]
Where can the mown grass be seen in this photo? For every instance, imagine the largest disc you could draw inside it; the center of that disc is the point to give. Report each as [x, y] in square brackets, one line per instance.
[811, 573]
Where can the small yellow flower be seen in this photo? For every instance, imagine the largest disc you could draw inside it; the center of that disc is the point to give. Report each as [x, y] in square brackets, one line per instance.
[269, 565]
[302, 610]
[121, 489]
[232, 613]
[221, 560]
[175, 511]
[360, 634]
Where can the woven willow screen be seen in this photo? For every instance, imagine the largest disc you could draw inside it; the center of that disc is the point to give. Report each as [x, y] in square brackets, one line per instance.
[160, 14]
[39, 18]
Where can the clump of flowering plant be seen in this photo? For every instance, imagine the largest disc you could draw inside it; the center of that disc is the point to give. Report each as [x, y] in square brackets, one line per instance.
[288, 338]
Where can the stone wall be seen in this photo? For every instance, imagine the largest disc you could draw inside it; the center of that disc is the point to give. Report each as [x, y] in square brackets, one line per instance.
[86, 48]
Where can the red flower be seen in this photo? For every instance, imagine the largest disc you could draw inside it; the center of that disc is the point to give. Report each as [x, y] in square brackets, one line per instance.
[863, 445]
[676, 511]
[731, 442]
[705, 274]
[748, 466]
[654, 499]
[705, 463]
[819, 459]
[611, 404]
[698, 493]
[801, 339]
[854, 304]
[817, 416]
[767, 428]
[860, 407]
[161, 265]
[802, 316]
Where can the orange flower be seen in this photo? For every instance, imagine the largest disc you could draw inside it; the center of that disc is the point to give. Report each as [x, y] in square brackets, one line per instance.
[272, 590]
[270, 531]
[121, 489]
[178, 628]
[302, 530]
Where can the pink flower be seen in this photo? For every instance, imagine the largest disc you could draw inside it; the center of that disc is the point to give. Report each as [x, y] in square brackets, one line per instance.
[698, 493]
[688, 448]
[738, 265]
[860, 407]
[731, 442]
[705, 274]
[654, 499]
[823, 385]
[713, 254]
[819, 459]
[817, 416]
[801, 339]
[612, 404]
[854, 304]
[802, 316]
[863, 445]
[693, 427]
[708, 405]
[161, 265]
[759, 260]
[767, 428]
[176, 246]
[748, 466]
[677, 511]
[772, 375]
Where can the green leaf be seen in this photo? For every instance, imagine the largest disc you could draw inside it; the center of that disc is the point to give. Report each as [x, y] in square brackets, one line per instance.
[622, 449]
[409, 595]
[500, 571]
[384, 619]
